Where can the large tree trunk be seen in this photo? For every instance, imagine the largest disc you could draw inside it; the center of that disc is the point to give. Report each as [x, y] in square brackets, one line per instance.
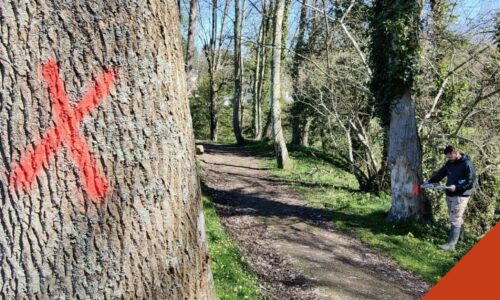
[394, 55]
[191, 75]
[98, 186]
[280, 149]
[237, 74]
[405, 162]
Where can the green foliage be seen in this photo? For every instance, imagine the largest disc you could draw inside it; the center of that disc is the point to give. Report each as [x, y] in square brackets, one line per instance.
[412, 245]
[233, 279]
[474, 135]
[199, 107]
[394, 51]
[200, 113]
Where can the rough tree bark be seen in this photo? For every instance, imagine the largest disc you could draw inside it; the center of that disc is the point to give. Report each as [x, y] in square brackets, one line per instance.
[280, 149]
[405, 161]
[191, 75]
[238, 66]
[141, 234]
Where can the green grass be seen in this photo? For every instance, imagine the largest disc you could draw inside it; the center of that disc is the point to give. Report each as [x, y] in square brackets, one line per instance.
[232, 278]
[413, 246]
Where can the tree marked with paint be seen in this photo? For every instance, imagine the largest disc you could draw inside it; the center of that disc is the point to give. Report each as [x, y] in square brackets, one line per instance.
[66, 131]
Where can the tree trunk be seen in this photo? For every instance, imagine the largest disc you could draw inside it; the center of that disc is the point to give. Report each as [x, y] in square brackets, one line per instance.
[264, 66]
[394, 56]
[237, 74]
[268, 128]
[260, 91]
[284, 29]
[190, 72]
[98, 186]
[295, 129]
[256, 81]
[240, 61]
[304, 141]
[280, 149]
[405, 163]
[213, 111]
[298, 110]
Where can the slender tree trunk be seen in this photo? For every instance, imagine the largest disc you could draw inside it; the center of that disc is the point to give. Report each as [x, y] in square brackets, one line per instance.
[191, 48]
[237, 74]
[298, 110]
[99, 194]
[295, 129]
[242, 104]
[284, 30]
[242, 111]
[267, 132]
[256, 82]
[305, 132]
[268, 128]
[405, 159]
[264, 66]
[213, 111]
[280, 149]
[260, 91]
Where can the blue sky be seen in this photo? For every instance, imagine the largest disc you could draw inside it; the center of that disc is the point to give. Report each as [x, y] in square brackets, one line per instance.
[469, 12]
[474, 9]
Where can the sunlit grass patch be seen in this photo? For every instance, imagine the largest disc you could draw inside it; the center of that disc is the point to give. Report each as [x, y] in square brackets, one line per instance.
[413, 246]
[233, 279]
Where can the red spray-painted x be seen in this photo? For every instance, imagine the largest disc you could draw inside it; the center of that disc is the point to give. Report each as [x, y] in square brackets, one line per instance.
[66, 131]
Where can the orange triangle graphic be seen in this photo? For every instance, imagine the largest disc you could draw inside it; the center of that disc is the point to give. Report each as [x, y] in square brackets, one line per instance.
[476, 275]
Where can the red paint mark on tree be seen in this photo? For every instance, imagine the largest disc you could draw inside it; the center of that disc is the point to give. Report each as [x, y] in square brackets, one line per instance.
[416, 190]
[66, 131]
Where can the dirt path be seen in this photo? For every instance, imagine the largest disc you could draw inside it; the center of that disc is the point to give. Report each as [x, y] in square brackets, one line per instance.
[294, 249]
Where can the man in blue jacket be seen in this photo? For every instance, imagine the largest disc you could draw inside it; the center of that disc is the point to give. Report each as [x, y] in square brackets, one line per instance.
[460, 183]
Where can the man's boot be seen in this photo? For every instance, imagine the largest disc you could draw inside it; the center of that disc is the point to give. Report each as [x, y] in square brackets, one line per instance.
[452, 239]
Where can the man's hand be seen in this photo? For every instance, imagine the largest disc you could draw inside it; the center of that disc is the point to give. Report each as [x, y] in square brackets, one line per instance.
[452, 188]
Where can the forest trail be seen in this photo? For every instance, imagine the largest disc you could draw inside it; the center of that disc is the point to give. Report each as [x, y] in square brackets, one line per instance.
[295, 251]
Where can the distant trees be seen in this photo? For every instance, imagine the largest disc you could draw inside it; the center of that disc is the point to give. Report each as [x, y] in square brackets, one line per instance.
[215, 52]
[191, 74]
[378, 86]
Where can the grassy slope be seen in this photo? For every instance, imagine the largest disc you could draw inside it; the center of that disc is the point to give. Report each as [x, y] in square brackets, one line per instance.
[413, 246]
[232, 278]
